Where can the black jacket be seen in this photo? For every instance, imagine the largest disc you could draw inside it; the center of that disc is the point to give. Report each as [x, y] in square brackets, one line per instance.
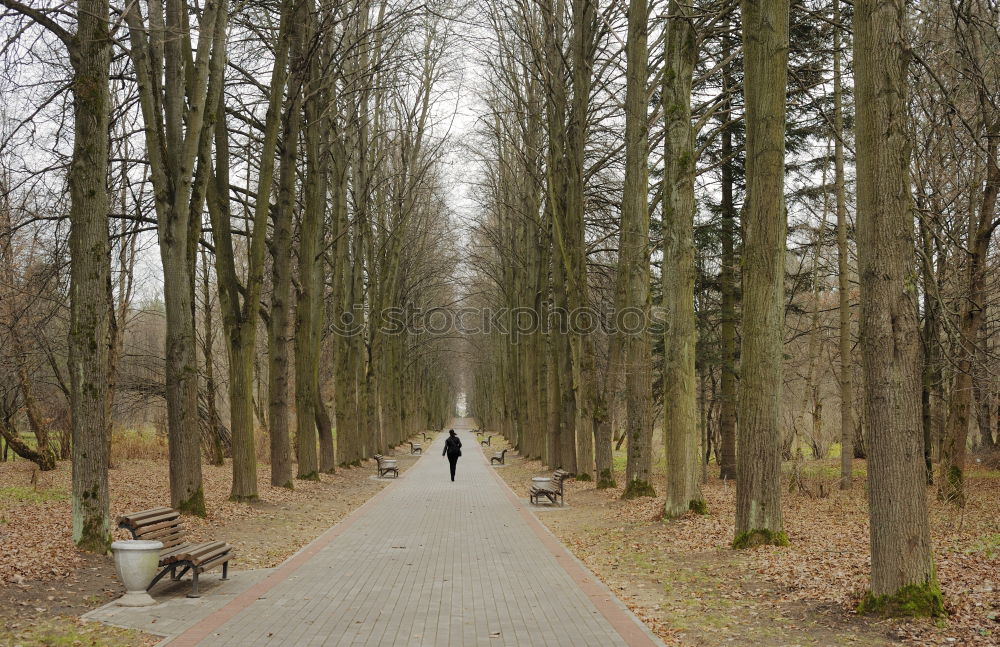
[452, 446]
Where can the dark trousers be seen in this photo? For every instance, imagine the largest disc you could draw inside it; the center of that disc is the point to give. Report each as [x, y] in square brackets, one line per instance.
[452, 462]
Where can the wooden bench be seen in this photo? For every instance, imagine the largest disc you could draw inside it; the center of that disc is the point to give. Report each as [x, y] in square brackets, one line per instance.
[498, 457]
[552, 490]
[165, 525]
[385, 465]
[486, 442]
[415, 448]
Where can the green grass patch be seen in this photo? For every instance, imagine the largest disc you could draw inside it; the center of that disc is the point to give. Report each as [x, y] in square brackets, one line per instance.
[21, 494]
[988, 545]
[61, 631]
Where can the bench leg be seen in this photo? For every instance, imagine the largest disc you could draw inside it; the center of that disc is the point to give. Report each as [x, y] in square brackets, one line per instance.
[159, 576]
[194, 585]
[225, 571]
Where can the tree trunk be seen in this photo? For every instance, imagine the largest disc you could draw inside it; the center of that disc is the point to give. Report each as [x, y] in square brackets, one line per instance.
[173, 78]
[680, 339]
[590, 408]
[89, 342]
[633, 264]
[902, 567]
[278, 325]
[758, 485]
[310, 410]
[213, 441]
[728, 318]
[843, 267]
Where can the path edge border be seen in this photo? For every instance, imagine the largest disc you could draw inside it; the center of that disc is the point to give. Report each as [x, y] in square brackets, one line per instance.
[629, 626]
[202, 629]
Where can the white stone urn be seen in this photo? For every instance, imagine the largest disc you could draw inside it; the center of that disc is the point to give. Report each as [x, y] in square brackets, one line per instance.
[136, 561]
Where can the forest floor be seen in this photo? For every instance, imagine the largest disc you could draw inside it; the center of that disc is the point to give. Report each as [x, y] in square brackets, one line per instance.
[46, 584]
[683, 579]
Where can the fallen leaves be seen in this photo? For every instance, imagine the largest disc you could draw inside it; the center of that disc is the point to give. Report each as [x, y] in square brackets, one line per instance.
[36, 524]
[683, 579]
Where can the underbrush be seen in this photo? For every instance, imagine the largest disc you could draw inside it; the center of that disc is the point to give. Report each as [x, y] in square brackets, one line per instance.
[135, 444]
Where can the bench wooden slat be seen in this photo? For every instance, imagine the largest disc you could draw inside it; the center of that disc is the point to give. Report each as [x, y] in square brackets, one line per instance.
[149, 516]
[196, 552]
[144, 523]
[152, 527]
[173, 542]
[176, 529]
[167, 553]
[209, 555]
[143, 514]
[212, 563]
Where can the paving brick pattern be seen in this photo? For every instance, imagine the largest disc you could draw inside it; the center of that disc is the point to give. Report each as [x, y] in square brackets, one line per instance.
[436, 563]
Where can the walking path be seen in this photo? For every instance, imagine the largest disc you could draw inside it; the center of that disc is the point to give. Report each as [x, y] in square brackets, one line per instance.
[429, 562]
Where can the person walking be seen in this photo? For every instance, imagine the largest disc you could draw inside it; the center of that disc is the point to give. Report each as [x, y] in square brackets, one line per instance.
[452, 449]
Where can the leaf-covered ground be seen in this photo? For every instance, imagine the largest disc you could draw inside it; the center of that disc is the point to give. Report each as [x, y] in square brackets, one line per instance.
[46, 584]
[686, 582]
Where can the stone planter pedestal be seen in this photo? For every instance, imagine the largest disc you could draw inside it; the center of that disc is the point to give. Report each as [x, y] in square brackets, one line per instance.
[136, 561]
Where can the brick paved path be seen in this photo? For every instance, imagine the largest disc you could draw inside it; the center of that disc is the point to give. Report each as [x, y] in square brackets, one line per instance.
[429, 562]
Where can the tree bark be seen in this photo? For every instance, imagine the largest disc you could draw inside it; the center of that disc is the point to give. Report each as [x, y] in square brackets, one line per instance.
[680, 339]
[902, 567]
[89, 341]
[758, 487]
[173, 92]
[213, 441]
[633, 265]
[728, 317]
[843, 267]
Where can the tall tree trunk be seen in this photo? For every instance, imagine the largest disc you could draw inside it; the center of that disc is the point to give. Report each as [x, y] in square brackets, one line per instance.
[173, 78]
[930, 402]
[279, 326]
[240, 303]
[213, 442]
[680, 339]
[843, 266]
[308, 310]
[902, 566]
[345, 386]
[758, 486]
[633, 265]
[89, 341]
[590, 408]
[728, 320]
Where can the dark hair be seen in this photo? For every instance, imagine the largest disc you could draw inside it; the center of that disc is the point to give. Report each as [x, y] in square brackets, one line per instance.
[451, 431]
